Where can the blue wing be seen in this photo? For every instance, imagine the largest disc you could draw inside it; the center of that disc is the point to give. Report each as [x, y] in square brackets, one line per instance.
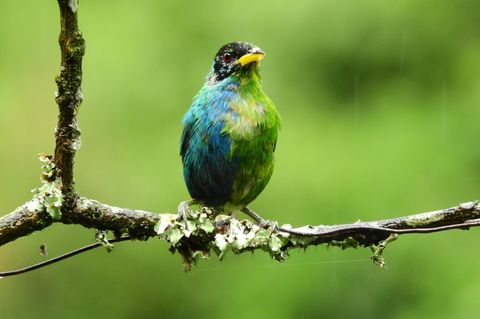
[208, 167]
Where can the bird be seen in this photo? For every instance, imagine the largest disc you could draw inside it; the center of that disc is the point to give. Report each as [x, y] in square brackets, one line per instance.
[230, 133]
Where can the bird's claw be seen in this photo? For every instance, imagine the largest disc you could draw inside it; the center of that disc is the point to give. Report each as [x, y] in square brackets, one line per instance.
[262, 222]
[184, 209]
[269, 224]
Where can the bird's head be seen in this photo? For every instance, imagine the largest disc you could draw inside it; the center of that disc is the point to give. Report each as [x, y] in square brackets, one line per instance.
[234, 57]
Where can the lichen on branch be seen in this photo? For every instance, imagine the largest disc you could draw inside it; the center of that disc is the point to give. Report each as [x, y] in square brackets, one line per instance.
[205, 231]
[47, 197]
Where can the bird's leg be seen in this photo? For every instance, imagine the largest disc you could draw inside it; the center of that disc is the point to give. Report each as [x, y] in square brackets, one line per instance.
[262, 222]
[259, 219]
[233, 214]
[184, 208]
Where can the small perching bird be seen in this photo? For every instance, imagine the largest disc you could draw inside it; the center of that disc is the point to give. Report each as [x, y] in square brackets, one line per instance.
[230, 133]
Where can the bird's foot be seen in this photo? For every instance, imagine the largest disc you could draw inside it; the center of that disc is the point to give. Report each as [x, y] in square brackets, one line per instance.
[262, 222]
[184, 209]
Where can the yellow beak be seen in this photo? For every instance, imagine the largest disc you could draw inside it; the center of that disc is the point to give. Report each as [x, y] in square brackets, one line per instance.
[248, 58]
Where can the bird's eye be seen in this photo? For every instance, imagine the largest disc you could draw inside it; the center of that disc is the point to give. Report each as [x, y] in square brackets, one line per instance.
[227, 57]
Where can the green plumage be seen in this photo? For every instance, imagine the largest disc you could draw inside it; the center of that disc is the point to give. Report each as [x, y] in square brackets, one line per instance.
[254, 135]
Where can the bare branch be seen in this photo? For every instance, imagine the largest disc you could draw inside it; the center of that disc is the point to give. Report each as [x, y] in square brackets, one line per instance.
[22, 222]
[462, 216]
[93, 214]
[69, 97]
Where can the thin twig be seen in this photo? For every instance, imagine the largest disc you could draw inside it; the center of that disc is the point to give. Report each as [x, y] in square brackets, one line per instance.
[58, 258]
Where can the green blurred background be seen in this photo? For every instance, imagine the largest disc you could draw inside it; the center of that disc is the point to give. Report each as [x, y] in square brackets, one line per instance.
[380, 105]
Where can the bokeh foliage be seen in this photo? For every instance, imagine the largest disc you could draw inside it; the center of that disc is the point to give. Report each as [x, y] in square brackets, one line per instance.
[380, 103]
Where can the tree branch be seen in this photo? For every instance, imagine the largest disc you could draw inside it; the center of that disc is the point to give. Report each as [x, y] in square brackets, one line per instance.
[68, 97]
[22, 222]
[205, 230]
[93, 214]
[194, 238]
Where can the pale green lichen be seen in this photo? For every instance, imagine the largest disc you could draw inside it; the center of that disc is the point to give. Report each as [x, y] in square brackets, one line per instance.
[218, 233]
[195, 234]
[172, 228]
[73, 4]
[47, 197]
[377, 250]
[349, 242]
[101, 237]
[422, 219]
[244, 235]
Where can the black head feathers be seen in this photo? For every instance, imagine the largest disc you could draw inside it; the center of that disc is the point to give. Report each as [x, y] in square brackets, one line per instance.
[233, 56]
